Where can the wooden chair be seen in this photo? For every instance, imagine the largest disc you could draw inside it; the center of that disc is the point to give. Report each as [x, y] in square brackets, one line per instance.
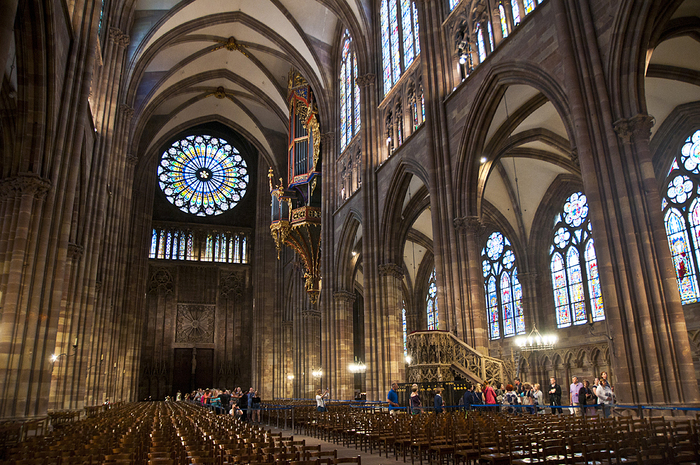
[357, 460]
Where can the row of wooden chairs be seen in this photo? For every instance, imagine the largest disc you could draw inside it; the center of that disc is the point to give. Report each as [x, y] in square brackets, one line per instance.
[167, 433]
[495, 437]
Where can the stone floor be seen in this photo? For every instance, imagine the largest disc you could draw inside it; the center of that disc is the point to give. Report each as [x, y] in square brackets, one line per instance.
[367, 458]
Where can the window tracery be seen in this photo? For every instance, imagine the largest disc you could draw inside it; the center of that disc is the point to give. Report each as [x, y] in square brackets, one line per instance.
[399, 38]
[203, 175]
[404, 328]
[577, 294]
[349, 94]
[172, 242]
[431, 303]
[681, 210]
[504, 293]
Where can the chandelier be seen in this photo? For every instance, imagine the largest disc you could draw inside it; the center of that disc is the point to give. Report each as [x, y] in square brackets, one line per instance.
[535, 341]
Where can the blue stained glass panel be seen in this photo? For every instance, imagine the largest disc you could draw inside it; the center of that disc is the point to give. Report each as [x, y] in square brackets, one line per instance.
[154, 244]
[490, 29]
[416, 35]
[403, 326]
[343, 109]
[358, 119]
[516, 12]
[386, 48]
[394, 34]
[579, 313]
[480, 41]
[529, 6]
[504, 21]
[407, 30]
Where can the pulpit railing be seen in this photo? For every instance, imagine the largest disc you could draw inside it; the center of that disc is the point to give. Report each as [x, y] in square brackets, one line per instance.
[438, 356]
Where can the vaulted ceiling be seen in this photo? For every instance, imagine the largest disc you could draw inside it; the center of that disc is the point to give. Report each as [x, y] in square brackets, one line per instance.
[193, 60]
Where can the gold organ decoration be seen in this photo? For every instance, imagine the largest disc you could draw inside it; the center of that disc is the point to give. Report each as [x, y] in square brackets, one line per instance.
[296, 207]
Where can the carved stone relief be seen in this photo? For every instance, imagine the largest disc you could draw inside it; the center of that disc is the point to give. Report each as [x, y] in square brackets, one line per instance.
[195, 323]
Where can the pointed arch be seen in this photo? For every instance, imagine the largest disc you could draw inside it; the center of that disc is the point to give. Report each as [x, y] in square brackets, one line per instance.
[470, 170]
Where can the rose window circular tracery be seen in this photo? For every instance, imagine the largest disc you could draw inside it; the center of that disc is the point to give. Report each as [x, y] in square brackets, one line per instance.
[203, 175]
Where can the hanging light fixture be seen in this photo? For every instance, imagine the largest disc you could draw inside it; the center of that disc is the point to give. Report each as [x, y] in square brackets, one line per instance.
[535, 341]
[357, 366]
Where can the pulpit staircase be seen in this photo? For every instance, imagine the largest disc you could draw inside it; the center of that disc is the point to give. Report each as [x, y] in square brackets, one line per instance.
[437, 356]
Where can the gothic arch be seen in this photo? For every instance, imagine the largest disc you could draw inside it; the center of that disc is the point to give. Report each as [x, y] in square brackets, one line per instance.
[469, 170]
[346, 263]
[393, 223]
[637, 26]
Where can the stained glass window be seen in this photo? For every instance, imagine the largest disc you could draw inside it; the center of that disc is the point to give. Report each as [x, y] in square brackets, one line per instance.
[203, 175]
[577, 294]
[431, 303]
[403, 325]
[399, 36]
[529, 6]
[504, 21]
[490, 29]
[516, 12]
[168, 243]
[681, 208]
[453, 4]
[504, 293]
[480, 42]
[349, 94]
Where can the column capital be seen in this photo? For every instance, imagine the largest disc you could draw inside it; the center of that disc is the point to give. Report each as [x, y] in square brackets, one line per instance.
[26, 183]
[118, 36]
[75, 251]
[574, 155]
[635, 128]
[126, 111]
[470, 224]
[328, 138]
[391, 269]
[344, 296]
[131, 159]
[311, 313]
[366, 80]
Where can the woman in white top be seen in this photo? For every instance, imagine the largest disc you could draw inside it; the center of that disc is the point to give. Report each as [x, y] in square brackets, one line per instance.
[605, 396]
[538, 398]
[321, 400]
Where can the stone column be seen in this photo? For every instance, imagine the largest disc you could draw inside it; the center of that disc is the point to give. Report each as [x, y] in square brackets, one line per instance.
[472, 321]
[341, 379]
[650, 352]
[528, 281]
[311, 352]
[496, 26]
[391, 276]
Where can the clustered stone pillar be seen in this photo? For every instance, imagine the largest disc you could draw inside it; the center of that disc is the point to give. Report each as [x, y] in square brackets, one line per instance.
[389, 326]
[342, 380]
[474, 320]
[651, 356]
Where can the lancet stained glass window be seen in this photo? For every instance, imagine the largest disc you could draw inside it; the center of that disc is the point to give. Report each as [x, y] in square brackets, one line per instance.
[453, 4]
[504, 21]
[681, 209]
[349, 94]
[529, 6]
[431, 303]
[504, 293]
[577, 294]
[403, 326]
[516, 12]
[399, 37]
[203, 175]
[480, 42]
